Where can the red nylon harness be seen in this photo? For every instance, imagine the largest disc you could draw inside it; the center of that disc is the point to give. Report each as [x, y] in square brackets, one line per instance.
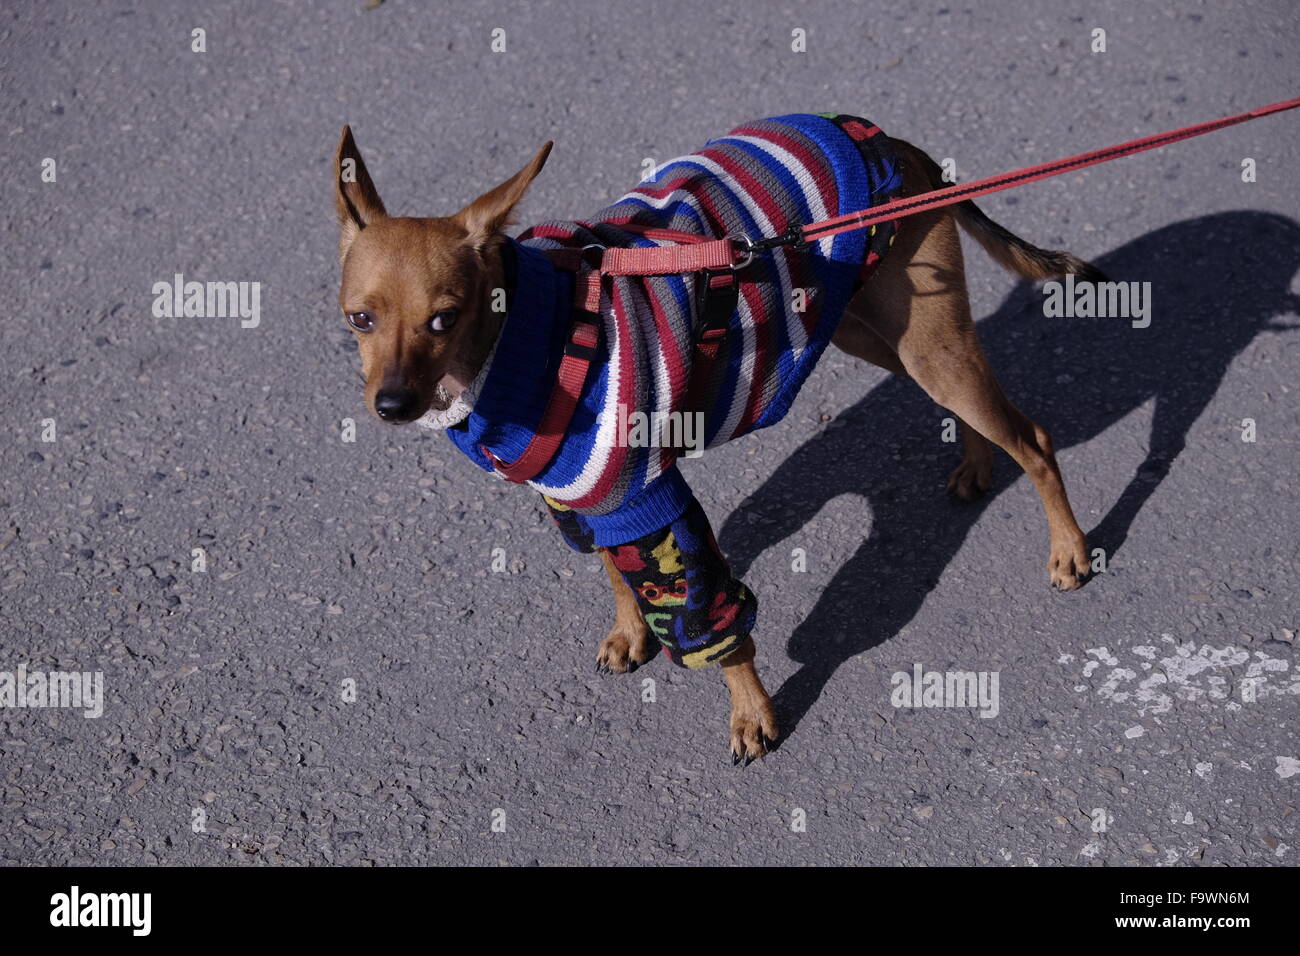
[590, 264]
[721, 259]
[579, 350]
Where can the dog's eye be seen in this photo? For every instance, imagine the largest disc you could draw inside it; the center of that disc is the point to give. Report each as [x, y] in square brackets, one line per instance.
[443, 321]
[361, 321]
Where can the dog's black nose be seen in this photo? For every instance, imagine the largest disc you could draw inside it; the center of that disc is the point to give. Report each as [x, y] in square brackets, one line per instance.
[395, 405]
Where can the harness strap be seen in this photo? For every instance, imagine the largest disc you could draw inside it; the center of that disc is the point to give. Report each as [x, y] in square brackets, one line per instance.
[692, 253]
[718, 296]
[719, 293]
[579, 351]
[670, 260]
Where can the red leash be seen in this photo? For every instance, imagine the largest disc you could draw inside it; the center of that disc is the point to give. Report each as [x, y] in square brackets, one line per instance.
[738, 251]
[899, 208]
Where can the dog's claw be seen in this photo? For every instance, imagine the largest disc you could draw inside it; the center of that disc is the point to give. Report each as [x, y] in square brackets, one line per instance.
[1068, 567]
[618, 652]
[753, 728]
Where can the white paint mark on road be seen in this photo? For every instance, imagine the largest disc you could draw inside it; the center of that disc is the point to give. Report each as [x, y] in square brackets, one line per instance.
[1231, 676]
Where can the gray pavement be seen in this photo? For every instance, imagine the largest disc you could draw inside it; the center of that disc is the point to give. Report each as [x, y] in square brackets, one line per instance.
[1148, 719]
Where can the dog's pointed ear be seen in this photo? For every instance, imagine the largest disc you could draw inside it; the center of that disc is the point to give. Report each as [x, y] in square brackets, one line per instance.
[355, 197]
[486, 216]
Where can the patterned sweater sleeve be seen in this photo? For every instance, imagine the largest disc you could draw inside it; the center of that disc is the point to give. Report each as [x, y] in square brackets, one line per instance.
[683, 585]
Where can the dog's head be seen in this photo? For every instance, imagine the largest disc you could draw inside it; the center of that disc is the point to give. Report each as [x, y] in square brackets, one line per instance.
[417, 292]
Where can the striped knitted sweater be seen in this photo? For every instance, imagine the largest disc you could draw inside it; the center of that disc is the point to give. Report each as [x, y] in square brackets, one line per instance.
[757, 179]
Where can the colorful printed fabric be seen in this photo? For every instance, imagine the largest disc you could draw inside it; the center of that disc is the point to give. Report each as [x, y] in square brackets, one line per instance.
[682, 583]
[755, 180]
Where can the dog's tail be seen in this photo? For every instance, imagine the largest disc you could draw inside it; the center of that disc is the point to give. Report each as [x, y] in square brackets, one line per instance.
[1003, 246]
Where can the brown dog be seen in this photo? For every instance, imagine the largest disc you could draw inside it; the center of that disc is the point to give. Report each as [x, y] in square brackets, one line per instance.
[416, 293]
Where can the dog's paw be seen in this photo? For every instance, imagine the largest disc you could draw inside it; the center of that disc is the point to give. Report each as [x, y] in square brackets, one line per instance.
[624, 650]
[1068, 564]
[753, 730]
[971, 478]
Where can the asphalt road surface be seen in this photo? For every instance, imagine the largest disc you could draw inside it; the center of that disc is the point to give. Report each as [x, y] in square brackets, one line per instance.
[389, 656]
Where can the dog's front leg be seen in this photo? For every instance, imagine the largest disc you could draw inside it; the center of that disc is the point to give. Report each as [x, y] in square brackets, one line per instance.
[628, 644]
[753, 722]
[701, 614]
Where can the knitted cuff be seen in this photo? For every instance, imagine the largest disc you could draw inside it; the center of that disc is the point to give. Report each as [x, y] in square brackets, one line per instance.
[577, 533]
[685, 590]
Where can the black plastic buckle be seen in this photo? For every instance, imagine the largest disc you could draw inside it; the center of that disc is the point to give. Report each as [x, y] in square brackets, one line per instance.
[586, 353]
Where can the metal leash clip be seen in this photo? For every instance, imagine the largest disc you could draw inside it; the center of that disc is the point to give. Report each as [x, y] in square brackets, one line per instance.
[747, 253]
[792, 237]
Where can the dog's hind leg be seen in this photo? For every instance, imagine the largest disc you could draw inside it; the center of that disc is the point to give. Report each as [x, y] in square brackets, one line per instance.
[855, 336]
[974, 475]
[916, 303]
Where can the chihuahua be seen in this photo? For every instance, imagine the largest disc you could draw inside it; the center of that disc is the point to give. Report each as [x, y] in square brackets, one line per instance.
[424, 299]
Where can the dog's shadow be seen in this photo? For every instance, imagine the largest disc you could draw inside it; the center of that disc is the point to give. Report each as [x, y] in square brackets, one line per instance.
[1216, 283]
